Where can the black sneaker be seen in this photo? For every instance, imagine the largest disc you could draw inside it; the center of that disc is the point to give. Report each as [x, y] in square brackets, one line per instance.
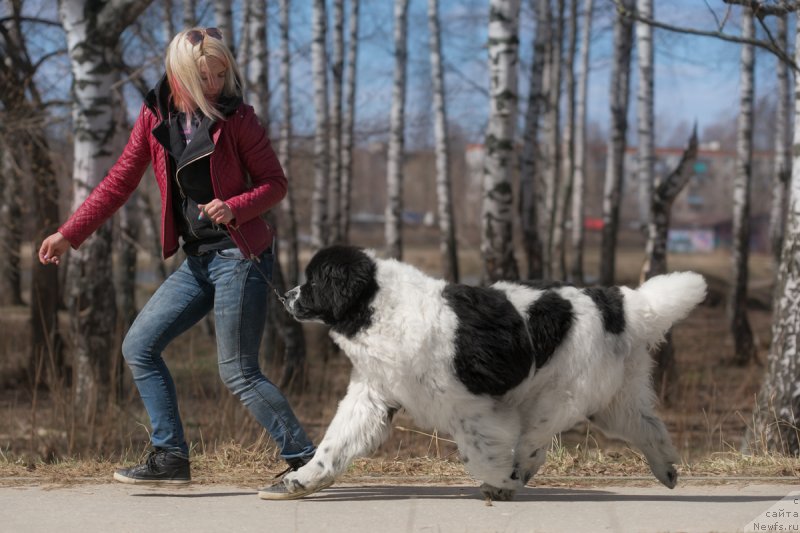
[162, 467]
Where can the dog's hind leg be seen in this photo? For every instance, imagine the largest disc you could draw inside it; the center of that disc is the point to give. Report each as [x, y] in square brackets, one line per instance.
[630, 417]
[486, 444]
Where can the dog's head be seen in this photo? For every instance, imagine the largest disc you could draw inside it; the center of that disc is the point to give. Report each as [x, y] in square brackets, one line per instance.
[340, 284]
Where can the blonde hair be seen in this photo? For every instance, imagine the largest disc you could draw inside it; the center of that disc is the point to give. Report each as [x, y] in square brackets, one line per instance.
[183, 63]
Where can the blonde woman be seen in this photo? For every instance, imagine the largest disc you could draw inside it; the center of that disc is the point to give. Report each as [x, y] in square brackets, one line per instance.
[203, 142]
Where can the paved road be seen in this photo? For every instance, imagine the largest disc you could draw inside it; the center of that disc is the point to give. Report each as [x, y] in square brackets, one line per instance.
[88, 508]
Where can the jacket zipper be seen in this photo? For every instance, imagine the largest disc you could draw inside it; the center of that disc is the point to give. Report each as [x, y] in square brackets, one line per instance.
[180, 188]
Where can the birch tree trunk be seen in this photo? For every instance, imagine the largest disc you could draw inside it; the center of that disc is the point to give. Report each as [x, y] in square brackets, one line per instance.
[189, 13]
[223, 17]
[645, 115]
[337, 80]
[93, 30]
[777, 417]
[294, 340]
[258, 61]
[10, 225]
[783, 163]
[579, 183]
[555, 180]
[447, 235]
[285, 148]
[568, 166]
[744, 346]
[615, 157]
[348, 123]
[319, 198]
[530, 170]
[664, 193]
[394, 164]
[497, 246]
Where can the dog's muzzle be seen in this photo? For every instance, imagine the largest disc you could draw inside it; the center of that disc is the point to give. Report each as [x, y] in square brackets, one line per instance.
[290, 299]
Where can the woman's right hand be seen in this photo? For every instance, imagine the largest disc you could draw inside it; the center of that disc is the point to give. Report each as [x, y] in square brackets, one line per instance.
[53, 248]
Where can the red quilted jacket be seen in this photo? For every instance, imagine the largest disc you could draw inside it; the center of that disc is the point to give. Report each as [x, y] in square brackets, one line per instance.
[241, 148]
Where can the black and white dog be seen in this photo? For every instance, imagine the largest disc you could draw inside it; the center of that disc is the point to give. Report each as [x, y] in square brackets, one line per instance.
[502, 369]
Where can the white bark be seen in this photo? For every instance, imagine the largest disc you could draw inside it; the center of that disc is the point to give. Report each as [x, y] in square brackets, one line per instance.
[744, 347]
[223, 17]
[319, 198]
[645, 111]
[394, 164]
[258, 61]
[447, 237]
[497, 245]
[783, 140]
[348, 122]
[92, 31]
[285, 149]
[530, 170]
[778, 415]
[579, 183]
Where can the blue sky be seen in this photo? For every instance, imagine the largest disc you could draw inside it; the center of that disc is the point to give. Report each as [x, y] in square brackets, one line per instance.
[696, 77]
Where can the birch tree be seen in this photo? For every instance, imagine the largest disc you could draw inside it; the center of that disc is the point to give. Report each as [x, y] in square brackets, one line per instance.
[319, 198]
[530, 170]
[744, 346]
[645, 149]
[783, 162]
[223, 17]
[394, 164]
[337, 81]
[93, 30]
[552, 143]
[447, 235]
[497, 246]
[615, 156]
[10, 225]
[777, 418]
[579, 180]
[348, 122]
[294, 340]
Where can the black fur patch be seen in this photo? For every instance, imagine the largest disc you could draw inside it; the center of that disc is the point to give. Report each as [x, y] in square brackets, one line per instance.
[610, 302]
[492, 353]
[549, 320]
[339, 289]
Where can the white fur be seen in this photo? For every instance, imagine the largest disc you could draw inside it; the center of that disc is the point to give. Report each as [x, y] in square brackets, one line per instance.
[405, 359]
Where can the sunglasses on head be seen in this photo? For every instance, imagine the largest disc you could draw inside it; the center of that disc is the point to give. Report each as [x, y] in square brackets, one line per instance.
[196, 36]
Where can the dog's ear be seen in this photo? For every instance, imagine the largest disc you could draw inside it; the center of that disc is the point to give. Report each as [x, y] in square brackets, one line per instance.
[344, 277]
[352, 284]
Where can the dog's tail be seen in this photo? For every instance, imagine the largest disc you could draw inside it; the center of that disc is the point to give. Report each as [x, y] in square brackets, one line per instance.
[663, 300]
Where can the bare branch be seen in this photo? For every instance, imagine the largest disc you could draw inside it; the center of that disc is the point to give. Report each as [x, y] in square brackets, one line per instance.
[770, 47]
[763, 9]
[35, 20]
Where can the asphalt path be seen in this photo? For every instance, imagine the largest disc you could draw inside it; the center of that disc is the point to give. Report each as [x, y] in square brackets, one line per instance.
[86, 508]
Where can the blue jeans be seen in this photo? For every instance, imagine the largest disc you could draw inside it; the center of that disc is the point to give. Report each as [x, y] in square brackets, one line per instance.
[233, 286]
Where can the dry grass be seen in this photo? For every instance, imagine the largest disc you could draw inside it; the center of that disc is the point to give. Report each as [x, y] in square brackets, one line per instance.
[707, 415]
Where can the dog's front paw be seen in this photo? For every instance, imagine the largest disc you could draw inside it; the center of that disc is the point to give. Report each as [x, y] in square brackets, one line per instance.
[493, 493]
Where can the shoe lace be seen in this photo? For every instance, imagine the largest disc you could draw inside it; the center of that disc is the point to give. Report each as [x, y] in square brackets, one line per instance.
[284, 472]
[151, 459]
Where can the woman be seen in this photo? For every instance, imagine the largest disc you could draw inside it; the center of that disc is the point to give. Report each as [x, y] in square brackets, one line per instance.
[217, 173]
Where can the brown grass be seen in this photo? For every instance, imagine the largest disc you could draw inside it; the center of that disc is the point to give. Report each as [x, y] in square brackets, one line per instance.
[707, 416]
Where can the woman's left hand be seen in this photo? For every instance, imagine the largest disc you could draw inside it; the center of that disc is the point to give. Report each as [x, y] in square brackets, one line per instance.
[217, 211]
